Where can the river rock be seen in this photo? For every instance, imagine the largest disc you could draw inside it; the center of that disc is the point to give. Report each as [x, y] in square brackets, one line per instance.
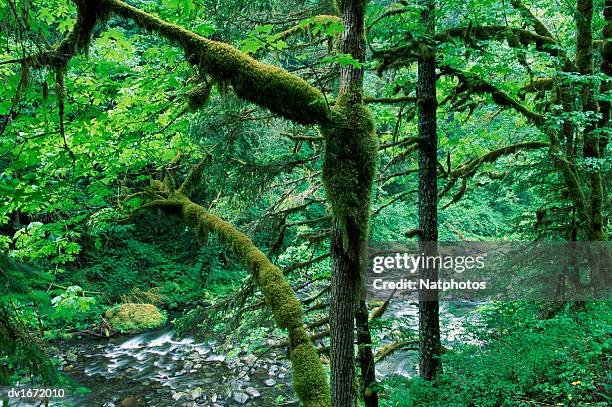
[215, 358]
[270, 382]
[128, 401]
[196, 393]
[197, 366]
[240, 397]
[252, 391]
[273, 371]
[71, 357]
[130, 317]
[177, 396]
[250, 359]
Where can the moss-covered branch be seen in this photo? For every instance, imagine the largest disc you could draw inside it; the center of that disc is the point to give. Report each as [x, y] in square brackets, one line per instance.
[473, 84]
[268, 86]
[307, 25]
[391, 100]
[470, 34]
[309, 379]
[469, 168]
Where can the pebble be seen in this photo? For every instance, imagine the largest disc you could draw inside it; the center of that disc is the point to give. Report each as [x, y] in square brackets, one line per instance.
[270, 382]
[273, 371]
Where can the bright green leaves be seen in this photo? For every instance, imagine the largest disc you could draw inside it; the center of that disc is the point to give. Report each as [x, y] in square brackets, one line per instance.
[343, 60]
[115, 46]
[262, 37]
[205, 29]
[46, 241]
[73, 300]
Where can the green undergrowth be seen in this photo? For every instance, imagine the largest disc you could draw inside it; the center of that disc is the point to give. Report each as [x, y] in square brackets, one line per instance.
[524, 360]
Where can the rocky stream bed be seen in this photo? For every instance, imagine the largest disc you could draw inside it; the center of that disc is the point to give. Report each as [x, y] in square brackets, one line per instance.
[158, 369]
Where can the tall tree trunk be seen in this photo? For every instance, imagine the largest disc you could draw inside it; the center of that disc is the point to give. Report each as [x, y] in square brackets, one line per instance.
[591, 143]
[429, 319]
[366, 356]
[584, 61]
[348, 174]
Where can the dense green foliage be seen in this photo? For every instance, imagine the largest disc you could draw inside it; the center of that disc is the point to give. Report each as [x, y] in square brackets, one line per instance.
[234, 89]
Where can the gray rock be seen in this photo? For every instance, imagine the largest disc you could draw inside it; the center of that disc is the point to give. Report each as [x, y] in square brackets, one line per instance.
[240, 397]
[216, 358]
[177, 396]
[273, 371]
[250, 359]
[270, 382]
[196, 393]
[252, 391]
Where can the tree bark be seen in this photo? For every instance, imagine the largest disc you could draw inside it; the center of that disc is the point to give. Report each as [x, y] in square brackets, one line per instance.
[350, 149]
[429, 322]
[584, 61]
[366, 356]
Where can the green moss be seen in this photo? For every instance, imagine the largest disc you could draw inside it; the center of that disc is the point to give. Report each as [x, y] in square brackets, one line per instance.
[349, 165]
[135, 317]
[268, 86]
[310, 381]
[308, 375]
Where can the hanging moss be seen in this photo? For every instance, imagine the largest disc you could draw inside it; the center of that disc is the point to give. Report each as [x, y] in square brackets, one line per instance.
[268, 86]
[199, 95]
[349, 165]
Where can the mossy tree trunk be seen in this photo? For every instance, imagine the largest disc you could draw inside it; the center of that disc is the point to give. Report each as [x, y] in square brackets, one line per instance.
[429, 319]
[348, 175]
[584, 61]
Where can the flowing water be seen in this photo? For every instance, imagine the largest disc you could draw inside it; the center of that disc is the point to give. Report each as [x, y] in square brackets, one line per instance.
[158, 369]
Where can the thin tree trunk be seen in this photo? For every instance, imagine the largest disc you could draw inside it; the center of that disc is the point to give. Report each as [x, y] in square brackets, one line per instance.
[366, 356]
[345, 276]
[429, 319]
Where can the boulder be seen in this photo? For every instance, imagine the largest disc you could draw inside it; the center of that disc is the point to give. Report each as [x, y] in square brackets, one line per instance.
[131, 318]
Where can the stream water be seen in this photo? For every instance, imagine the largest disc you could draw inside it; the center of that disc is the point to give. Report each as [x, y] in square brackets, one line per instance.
[156, 368]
